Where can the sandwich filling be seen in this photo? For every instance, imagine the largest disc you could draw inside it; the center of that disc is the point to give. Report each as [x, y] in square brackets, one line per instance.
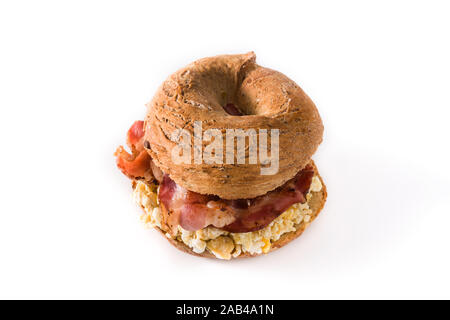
[221, 243]
[194, 211]
[226, 228]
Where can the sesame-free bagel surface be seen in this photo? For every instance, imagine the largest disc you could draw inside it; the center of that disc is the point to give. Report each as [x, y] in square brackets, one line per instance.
[268, 99]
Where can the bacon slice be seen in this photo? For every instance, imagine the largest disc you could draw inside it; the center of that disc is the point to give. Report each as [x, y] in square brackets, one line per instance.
[136, 164]
[261, 211]
[135, 135]
[193, 211]
[232, 109]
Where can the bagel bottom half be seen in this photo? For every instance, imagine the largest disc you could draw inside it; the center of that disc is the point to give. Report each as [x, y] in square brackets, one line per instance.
[316, 201]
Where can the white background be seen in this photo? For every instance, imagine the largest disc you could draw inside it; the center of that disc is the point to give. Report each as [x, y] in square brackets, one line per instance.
[74, 75]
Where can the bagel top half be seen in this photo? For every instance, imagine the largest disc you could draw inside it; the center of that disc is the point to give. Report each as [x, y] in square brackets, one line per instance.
[268, 99]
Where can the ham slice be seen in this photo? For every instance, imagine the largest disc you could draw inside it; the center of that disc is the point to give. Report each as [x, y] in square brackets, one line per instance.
[194, 211]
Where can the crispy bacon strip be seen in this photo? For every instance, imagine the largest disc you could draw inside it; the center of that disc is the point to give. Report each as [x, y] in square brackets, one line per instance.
[135, 136]
[230, 108]
[193, 211]
[136, 164]
[257, 213]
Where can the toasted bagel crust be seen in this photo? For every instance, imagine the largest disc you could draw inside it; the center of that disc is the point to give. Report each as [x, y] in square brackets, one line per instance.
[316, 204]
[269, 100]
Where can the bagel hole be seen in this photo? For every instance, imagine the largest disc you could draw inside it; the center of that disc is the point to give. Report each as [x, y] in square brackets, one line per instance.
[232, 109]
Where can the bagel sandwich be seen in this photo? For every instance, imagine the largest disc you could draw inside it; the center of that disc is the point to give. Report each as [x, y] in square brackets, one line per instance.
[221, 165]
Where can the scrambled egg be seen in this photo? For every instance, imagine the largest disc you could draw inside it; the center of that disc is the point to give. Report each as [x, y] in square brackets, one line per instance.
[223, 244]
